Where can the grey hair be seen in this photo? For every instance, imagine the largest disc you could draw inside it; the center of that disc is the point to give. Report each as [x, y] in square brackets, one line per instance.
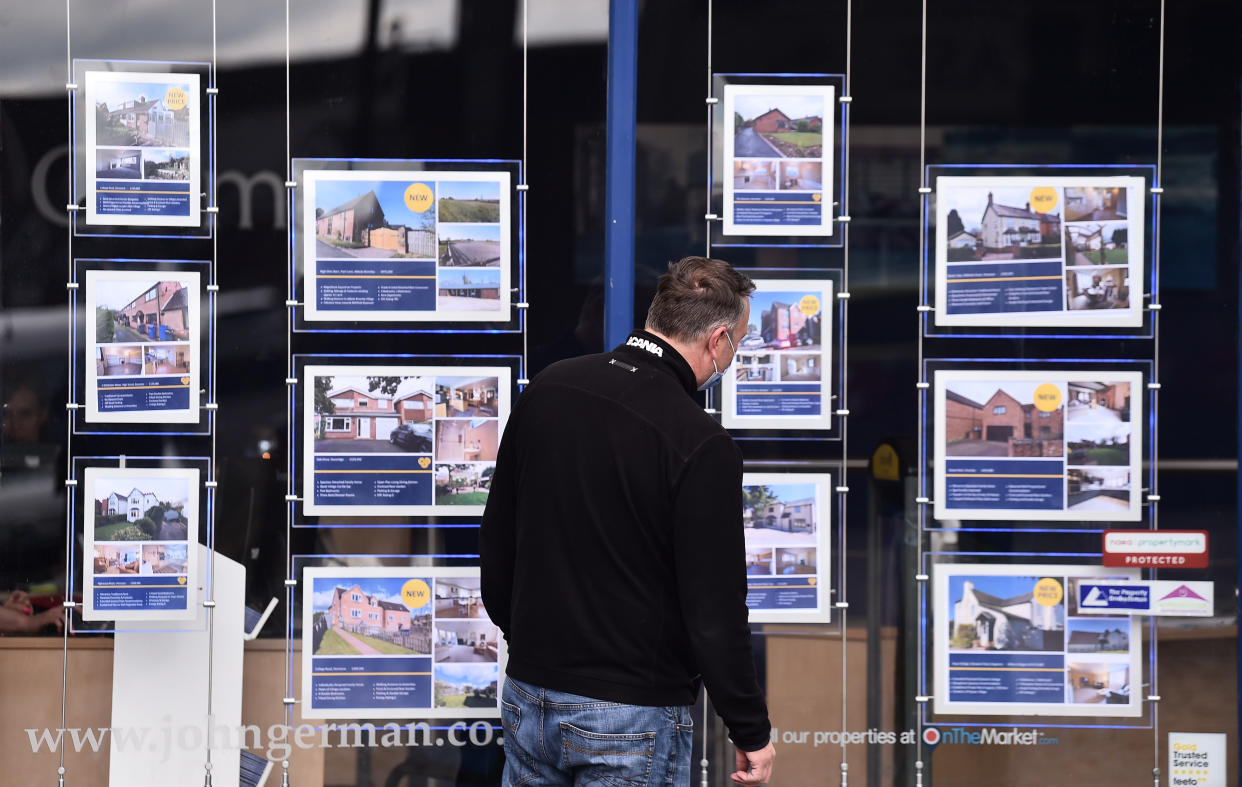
[697, 296]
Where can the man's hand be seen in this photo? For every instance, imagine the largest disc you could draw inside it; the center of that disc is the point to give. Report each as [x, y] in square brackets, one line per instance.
[754, 767]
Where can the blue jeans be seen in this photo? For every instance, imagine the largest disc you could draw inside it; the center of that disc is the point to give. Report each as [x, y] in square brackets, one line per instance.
[554, 738]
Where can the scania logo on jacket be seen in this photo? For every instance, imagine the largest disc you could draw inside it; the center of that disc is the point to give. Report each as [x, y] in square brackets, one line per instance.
[646, 344]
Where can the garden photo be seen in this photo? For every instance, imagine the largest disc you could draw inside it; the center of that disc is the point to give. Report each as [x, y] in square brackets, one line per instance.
[466, 685]
[469, 201]
[1098, 243]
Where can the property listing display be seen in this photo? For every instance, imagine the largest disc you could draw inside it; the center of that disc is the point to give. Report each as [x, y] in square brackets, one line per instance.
[786, 521]
[1038, 445]
[140, 543]
[782, 375]
[401, 440]
[1009, 640]
[396, 643]
[142, 361]
[1039, 251]
[778, 143]
[141, 148]
[405, 246]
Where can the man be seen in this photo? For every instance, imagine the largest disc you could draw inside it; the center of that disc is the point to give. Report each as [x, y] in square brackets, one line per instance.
[613, 556]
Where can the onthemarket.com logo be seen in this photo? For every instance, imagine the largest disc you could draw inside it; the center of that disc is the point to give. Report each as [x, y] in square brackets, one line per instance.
[987, 736]
[278, 741]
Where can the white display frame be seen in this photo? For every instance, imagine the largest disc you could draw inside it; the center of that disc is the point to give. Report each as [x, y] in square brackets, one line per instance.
[310, 181]
[503, 375]
[190, 511]
[1131, 316]
[942, 573]
[821, 581]
[92, 82]
[827, 93]
[1060, 376]
[310, 708]
[822, 289]
[188, 415]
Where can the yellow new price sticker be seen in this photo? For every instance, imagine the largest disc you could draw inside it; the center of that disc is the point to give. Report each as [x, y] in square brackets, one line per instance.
[1044, 199]
[809, 305]
[175, 99]
[1047, 397]
[1048, 592]
[418, 197]
[415, 593]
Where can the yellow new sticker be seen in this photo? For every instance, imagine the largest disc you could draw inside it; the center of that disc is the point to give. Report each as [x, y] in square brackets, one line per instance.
[1044, 199]
[415, 593]
[1048, 592]
[809, 305]
[418, 197]
[175, 99]
[1047, 397]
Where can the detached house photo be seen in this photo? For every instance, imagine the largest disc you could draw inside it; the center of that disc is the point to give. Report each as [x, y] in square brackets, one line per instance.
[986, 224]
[369, 219]
[985, 419]
[1001, 613]
[779, 514]
[355, 415]
[367, 618]
[133, 113]
[778, 126]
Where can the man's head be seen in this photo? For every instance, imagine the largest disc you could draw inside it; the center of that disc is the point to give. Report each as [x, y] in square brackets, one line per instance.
[701, 306]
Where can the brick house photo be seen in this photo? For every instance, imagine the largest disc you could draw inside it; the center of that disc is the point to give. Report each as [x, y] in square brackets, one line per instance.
[1000, 424]
[351, 417]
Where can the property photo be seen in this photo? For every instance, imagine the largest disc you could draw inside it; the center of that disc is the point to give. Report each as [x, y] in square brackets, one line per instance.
[466, 642]
[996, 612]
[1097, 288]
[1098, 682]
[166, 164]
[801, 175]
[754, 367]
[1000, 419]
[1098, 489]
[1092, 203]
[377, 415]
[468, 289]
[780, 514]
[140, 509]
[1097, 635]
[469, 245]
[778, 126]
[466, 685]
[758, 562]
[754, 175]
[463, 484]
[800, 367]
[1098, 403]
[118, 163]
[371, 220]
[367, 617]
[1105, 448]
[459, 597]
[796, 560]
[985, 223]
[779, 321]
[1098, 243]
[117, 559]
[467, 439]
[137, 113]
[131, 311]
[166, 359]
[466, 397]
[164, 558]
[469, 201]
[118, 361]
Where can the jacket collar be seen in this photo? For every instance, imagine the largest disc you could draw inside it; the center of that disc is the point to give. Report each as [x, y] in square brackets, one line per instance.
[645, 347]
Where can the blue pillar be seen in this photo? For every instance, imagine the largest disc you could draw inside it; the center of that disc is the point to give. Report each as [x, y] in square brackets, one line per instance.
[619, 204]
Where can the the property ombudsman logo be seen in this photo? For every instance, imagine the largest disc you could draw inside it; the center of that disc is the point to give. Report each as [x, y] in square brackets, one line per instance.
[932, 737]
[646, 344]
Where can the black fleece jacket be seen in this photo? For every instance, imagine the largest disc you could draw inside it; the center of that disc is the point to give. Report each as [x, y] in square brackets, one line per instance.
[612, 548]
